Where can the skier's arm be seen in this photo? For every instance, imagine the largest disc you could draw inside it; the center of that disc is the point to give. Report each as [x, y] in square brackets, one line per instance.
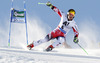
[55, 9]
[76, 33]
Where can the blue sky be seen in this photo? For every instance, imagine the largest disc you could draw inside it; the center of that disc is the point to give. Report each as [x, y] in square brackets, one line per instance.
[86, 10]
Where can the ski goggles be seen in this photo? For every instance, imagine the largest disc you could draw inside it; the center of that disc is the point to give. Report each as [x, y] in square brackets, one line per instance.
[71, 13]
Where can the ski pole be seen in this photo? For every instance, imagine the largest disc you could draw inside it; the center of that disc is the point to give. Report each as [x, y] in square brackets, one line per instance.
[82, 48]
[42, 3]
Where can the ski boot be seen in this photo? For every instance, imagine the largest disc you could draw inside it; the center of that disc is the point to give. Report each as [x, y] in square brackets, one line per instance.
[30, 46]
[49, 48]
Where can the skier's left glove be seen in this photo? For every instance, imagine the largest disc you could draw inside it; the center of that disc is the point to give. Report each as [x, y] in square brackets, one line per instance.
[75, 39]
[49, 4]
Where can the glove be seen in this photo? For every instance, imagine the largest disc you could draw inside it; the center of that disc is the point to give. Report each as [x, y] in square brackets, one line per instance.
[49, 4]
[75, 40]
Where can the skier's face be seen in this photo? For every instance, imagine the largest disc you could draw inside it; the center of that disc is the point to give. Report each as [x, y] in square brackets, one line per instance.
[70, 16]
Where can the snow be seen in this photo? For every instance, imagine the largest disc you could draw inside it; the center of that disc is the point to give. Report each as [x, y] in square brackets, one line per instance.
[20, 55]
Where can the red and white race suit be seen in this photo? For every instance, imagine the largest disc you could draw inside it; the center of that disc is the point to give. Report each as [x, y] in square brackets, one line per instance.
[61, 31]
[64, 26]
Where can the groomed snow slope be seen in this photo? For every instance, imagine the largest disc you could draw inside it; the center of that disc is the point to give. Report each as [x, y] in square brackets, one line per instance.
[17, 55]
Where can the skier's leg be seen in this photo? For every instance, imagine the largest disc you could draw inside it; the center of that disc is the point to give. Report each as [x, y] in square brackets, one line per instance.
[59, 41]
[46, 39]
[55, 33]
[36, 43]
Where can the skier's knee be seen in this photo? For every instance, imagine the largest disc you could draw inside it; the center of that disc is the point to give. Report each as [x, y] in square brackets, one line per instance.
[61, 39]
[48, 37]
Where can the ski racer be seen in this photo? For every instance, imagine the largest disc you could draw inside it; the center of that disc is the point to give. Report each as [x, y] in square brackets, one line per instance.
[66, 24]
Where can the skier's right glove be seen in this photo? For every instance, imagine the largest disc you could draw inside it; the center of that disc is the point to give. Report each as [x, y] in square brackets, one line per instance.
[49, 4]
[76, 39]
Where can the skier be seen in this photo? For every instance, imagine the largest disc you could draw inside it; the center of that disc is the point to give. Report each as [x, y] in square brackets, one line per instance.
[61, 31]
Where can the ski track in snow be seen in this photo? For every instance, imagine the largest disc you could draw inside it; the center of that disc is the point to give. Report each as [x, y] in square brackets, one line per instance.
[13, 55]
